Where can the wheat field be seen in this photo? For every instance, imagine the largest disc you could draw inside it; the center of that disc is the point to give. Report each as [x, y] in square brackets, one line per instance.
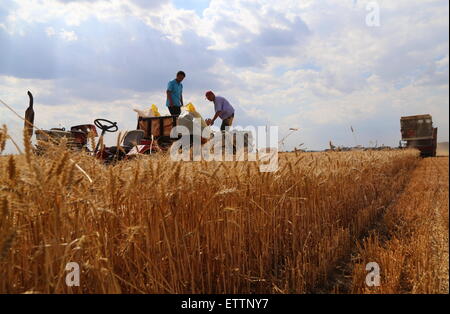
[151, 225]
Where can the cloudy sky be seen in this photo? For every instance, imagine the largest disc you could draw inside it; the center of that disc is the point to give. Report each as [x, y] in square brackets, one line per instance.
[318, 65]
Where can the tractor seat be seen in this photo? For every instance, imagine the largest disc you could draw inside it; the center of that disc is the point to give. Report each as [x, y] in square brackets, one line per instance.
[132, 138]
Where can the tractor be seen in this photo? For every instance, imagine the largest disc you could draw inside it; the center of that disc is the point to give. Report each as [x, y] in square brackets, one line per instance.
[152, 135]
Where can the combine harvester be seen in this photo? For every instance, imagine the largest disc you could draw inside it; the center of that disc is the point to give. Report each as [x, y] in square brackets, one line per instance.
[418, 132]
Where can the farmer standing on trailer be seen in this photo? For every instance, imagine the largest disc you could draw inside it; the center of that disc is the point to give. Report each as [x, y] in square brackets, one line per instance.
[223, 109]
[175, 94]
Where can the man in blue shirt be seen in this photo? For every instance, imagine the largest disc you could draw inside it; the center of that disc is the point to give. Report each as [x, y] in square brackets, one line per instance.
[223, 109]
[175, 94]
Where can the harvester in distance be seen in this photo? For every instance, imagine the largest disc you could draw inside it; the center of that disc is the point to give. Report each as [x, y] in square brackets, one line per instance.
[418, 132]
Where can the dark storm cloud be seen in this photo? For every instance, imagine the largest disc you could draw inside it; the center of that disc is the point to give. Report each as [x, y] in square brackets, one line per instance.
[270, 42]
[30, 56]
[107, 57]
[68, 1]
[147, 4]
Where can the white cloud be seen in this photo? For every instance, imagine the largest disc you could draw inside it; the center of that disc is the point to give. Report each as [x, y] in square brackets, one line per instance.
[68, 35]
[50, 31]
[63, 34]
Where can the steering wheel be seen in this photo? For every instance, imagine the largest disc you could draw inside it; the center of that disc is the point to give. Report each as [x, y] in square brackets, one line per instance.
[106, 125]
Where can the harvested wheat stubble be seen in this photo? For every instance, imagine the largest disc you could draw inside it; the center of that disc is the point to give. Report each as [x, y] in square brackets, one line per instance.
[412, 250]
[155, 226]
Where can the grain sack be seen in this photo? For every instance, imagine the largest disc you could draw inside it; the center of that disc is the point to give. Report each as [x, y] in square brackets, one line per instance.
[191, 109]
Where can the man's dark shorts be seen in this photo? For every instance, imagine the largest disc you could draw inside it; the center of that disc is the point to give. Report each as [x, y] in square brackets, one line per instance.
[227, 122]
[174, 110]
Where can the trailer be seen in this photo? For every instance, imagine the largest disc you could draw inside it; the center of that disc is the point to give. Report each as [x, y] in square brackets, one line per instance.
[418, 132]
[158, 129]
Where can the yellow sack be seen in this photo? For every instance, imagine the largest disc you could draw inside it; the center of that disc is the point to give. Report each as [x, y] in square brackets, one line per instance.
[155, 111]
[191, 109]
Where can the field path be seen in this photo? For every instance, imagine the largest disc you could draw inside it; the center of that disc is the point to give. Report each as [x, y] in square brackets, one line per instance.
[438, 168]
[410, 241]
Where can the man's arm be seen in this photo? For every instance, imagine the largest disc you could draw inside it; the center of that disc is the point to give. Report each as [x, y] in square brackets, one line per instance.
[169, 93]
[169, 96]
[182, 99]
[215, 117]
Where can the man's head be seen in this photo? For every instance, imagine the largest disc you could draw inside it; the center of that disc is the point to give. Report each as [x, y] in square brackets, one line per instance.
[180, 76]
[210, 96]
